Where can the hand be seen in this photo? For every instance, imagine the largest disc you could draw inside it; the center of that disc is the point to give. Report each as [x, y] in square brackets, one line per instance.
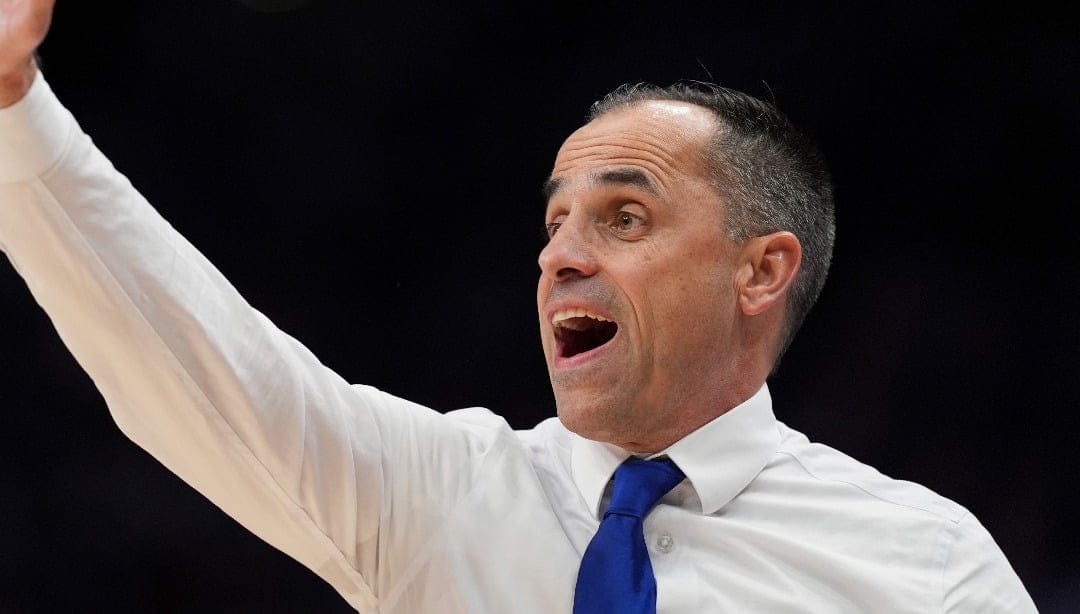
[23, 25]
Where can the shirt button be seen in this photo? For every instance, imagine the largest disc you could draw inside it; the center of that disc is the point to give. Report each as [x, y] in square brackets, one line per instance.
[664, 543]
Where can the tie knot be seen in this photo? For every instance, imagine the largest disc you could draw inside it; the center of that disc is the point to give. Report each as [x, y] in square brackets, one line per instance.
[639, 484]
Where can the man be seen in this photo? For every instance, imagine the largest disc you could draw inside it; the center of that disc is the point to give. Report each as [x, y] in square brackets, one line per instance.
[690, 232]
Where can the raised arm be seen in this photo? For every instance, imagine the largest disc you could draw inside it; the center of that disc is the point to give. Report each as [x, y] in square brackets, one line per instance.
[198, 377]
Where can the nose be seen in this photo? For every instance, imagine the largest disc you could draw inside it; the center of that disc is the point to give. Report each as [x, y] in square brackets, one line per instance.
[568, 254]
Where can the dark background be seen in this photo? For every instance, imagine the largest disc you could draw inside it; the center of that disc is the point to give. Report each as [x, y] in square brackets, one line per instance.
[368, 177]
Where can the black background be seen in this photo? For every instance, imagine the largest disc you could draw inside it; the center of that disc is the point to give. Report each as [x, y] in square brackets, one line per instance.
[368, 177]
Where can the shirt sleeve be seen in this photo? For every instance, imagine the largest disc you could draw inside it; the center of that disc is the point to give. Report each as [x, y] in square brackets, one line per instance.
[977, 576]
[209, 386]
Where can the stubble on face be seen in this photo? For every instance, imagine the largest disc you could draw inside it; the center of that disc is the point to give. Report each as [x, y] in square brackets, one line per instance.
[668, 287]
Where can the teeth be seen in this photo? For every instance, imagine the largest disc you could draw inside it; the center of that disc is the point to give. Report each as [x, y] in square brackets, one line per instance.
[575, 312]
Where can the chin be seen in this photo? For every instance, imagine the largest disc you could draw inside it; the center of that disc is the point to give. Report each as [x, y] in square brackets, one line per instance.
[589, 420]
[580, 420]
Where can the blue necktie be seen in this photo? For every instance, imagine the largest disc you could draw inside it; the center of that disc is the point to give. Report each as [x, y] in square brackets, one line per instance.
[616, 576]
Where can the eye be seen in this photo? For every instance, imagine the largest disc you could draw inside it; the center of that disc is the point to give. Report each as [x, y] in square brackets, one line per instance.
[626, 222]
[552, 227]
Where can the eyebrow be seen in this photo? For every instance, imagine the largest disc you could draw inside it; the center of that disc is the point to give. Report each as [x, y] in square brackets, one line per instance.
[550, 187]
[615, 177]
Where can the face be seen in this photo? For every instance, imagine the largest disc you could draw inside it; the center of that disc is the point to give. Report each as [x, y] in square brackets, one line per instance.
[637, 293]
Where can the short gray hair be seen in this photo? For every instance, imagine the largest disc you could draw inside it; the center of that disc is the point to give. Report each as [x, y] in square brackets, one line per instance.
[769, 174]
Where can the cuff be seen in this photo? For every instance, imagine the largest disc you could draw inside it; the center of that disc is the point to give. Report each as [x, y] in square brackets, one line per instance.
[33, 133]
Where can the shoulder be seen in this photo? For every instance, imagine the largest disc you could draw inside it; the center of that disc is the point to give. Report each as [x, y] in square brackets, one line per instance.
[885, 519]
[848, 478]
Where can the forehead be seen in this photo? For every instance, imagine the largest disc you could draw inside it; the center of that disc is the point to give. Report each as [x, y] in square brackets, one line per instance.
[663, 139]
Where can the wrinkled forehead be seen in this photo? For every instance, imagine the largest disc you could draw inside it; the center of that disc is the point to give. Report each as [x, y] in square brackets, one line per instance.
[665, 138]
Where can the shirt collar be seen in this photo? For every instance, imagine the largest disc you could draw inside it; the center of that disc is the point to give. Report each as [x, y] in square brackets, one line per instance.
[720, 459]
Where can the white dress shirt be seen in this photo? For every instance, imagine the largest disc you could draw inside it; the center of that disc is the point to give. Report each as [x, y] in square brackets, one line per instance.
[406, 510]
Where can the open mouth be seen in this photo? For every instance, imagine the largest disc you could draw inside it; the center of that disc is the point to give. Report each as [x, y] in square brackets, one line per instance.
[578, 330]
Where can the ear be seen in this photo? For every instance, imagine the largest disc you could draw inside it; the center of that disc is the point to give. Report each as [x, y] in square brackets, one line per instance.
[769, 265]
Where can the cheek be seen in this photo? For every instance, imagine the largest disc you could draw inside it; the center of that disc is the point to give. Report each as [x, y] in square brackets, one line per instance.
[691, 302]
[542, 289]
[545, 345]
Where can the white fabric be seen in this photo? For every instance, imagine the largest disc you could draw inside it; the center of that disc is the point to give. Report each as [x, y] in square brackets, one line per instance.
[406, 510]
